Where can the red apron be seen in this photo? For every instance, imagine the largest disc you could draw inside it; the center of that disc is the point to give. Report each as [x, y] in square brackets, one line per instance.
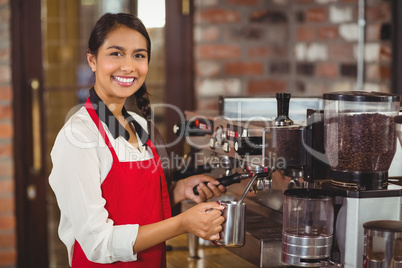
[135, 193]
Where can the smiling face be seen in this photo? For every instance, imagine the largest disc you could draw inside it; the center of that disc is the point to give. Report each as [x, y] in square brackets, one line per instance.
[120, 65]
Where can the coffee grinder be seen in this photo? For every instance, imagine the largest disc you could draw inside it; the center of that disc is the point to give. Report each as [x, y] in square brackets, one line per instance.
[360, 143]
[308, 220]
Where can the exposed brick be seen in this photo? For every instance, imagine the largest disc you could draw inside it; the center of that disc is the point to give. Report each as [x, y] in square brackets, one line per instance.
[218, 51]
[8, 257]
[243, 2]
[329, 70]
[5, 14]
[7, 240]
[6, 204]
[300, 16]
[325, 2]
[311, 52]
[6, 130]
[5, 93]
[260, 51]
[247, 33]
[207, 69]
[269, 16]
[6, 150]
[5, 74]
[373, 32]
[6, 186]
[327, 33]
[279, 68]
[378, 72]
[207, 104]
[372, 52]
[349, 31]
[7, 222]
[341, 51]
[206, 34]
[267, 51]
[6, 112]
[266, 86]
[342, 86]
[339, 14]
[319, 14]
[243, 68]
[205, 3]
[385, 53]
[386, 32]
[5, 54]
[3, 2]
[300, 86]
[317, 51]
[304, 1]
[305, 33]
[305, 69]
[278, 35]
[281, 2]
[217, 87]
[6, 168]
[217, 15]
[315, 89]
[381, 12]
[348, 70]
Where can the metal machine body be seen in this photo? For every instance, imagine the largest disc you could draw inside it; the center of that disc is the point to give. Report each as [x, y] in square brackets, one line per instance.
[242, 137]
[354, 213]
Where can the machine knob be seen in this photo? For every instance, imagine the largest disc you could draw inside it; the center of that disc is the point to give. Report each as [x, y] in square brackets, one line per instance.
[176, 129]
[212, 143]
[226, 147]
[249, 145]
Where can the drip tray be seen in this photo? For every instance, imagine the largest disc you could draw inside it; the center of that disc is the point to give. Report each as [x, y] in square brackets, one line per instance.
[263, 242]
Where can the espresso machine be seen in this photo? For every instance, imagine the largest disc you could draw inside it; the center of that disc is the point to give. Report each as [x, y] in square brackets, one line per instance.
[341, 145]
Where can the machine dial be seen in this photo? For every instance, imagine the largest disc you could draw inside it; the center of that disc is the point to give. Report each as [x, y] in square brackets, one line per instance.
[220, 135]
[249, 145]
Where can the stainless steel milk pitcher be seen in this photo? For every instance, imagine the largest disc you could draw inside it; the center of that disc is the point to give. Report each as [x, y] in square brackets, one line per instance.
[234, 227]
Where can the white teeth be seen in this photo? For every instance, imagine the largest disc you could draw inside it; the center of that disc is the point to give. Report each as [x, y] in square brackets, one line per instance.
[124, 80]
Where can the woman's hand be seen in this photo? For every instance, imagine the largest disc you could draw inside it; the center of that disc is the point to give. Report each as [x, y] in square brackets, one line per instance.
[205, 192]
[203, 220]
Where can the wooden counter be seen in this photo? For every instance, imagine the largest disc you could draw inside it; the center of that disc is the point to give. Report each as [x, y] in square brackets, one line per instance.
[210, 256]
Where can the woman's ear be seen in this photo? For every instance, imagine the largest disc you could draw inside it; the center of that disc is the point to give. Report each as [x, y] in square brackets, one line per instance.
[91, 58]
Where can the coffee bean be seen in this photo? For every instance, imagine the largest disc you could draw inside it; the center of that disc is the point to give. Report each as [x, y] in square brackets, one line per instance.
[360, 142]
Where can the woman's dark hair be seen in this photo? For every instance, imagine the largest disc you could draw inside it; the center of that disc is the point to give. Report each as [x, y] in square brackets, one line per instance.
[106, 24]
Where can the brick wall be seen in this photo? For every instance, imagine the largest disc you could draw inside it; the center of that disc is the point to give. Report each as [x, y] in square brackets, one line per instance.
[7, 204]
[305, 47]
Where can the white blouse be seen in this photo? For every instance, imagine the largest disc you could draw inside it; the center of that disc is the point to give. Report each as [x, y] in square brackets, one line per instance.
[81, 162]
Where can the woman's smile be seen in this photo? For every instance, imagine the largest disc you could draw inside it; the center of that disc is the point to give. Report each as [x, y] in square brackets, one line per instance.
[124, 81]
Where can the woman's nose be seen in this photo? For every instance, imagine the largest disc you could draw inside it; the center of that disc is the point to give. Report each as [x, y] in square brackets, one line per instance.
[127, 66]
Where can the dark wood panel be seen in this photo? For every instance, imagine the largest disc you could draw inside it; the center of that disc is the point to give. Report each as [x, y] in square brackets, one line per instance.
[396, 83]
[179, 64]
[27, 65]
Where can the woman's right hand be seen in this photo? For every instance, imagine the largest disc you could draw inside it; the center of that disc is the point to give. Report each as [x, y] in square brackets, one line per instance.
[204, 220]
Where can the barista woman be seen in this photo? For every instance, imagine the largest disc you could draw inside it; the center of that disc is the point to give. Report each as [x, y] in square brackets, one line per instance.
[107, 175]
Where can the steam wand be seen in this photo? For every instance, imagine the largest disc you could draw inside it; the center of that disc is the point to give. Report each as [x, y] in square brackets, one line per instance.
[256, 176]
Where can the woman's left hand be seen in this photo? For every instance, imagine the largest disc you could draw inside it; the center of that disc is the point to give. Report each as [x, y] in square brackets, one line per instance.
[205, 192]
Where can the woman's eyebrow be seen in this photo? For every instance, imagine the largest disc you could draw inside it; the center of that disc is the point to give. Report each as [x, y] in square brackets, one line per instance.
[116, 47]
[141, 50]
[123, 49]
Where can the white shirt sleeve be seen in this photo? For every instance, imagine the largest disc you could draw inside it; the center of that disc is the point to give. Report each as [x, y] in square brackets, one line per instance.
[76, 181]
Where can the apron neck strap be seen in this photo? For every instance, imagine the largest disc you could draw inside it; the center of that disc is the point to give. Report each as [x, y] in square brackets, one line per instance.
[98, 123]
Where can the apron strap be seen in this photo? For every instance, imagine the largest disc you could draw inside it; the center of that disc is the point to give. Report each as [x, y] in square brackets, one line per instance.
[98, 123]
[165, 192]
